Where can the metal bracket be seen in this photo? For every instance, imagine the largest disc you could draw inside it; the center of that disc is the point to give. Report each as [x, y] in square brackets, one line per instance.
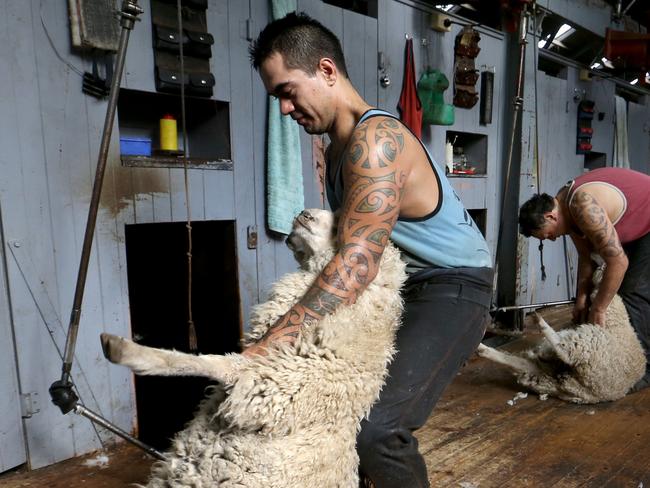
[29, 404]
[249, 29]
[251, 237]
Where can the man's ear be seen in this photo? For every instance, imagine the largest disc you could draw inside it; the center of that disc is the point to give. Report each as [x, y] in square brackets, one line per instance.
[551, 216]
[329, 70]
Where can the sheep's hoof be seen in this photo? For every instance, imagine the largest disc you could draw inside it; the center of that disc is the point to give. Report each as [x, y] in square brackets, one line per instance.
[537, 320]
[112, 347]
[482, 350]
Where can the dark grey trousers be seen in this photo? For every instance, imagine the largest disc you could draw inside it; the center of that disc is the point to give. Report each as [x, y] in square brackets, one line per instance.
[446, 313]
[635, 292]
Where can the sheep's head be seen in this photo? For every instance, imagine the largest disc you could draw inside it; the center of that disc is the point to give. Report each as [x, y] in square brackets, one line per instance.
[313, 235]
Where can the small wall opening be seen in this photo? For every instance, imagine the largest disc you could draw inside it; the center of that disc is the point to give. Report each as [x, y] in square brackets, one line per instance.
[469, 153]
[479, 215]
[157, 278]
[552, 68]
[595, 160]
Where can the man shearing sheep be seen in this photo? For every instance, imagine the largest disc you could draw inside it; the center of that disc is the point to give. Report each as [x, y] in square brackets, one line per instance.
[605, 211]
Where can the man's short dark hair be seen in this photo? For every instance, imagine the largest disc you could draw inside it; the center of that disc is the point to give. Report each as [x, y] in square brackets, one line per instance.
[302, 42]
[531, 213]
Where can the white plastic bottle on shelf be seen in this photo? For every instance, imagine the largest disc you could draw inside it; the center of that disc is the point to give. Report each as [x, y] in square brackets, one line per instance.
[449, 158]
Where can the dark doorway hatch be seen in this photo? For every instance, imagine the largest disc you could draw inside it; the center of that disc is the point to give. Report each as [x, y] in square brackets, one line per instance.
[157, 276]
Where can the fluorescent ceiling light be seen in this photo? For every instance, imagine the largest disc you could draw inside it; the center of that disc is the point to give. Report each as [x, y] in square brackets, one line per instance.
[562, 33]
[607, 63]
[444, 7]
[596, 66]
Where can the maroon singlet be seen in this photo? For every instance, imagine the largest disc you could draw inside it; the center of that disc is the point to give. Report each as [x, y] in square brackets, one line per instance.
[635, 188]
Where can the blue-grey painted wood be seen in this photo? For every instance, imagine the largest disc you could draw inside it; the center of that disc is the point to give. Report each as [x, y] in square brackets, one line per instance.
[106, 295]
[12, 442]
[51, 134]
[143, 205]
[371, 79]
[332, 18]
[558, 162]
[217, 17]
[602, 92]
[360, 48]
[139, 62]
[28, 223]
[52, 146]
[638, 128]
[260, 14]
[397, 20]
[241, 123]
[273, 257]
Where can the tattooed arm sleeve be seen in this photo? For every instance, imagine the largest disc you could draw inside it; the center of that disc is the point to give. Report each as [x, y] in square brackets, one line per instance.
[593, 221]
[373, 179]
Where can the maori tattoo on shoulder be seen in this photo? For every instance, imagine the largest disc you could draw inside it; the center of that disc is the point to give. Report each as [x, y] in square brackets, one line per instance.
[374, 179]
[592, 219]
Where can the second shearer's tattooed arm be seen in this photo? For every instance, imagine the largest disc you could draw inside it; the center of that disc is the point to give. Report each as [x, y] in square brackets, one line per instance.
[593, 221]
[374, 178]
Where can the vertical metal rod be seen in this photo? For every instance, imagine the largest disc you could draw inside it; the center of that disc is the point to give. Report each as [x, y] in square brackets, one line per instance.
[129, 13]
[81, 410]
[518, 103]
[62, 391]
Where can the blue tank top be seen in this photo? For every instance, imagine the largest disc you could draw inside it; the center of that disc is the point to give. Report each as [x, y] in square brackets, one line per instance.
[446, 238]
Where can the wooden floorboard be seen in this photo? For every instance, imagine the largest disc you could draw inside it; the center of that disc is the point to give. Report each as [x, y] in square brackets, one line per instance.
[474, 439]
[116, 467]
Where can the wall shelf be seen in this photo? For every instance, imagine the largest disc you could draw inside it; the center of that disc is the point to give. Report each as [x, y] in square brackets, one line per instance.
[456, 175]
[175, 162]
[469, 154]
[208, 129]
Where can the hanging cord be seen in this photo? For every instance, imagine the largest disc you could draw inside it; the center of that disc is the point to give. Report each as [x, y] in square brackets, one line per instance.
[537, 162]
[541, 259]
[569, 270]
[192, 340]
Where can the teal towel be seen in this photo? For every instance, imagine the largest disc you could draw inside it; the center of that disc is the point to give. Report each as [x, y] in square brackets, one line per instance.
[284, 184]
[280, 8]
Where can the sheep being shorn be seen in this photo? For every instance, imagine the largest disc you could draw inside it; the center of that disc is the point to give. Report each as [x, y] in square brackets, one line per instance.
[585, 364]
[288, 419]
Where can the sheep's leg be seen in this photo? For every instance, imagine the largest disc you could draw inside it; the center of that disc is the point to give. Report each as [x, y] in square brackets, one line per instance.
[151, 361]
[553, 338]
[516, 363]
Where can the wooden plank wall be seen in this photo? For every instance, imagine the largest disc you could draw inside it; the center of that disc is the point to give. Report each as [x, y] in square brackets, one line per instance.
[52, 134]
[396, 20]
[555, 138]
[639, 136]
[51, 139]
[12, 447]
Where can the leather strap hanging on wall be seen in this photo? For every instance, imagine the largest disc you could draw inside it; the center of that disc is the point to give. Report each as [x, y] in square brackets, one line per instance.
[196, 45]
[465, 74]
